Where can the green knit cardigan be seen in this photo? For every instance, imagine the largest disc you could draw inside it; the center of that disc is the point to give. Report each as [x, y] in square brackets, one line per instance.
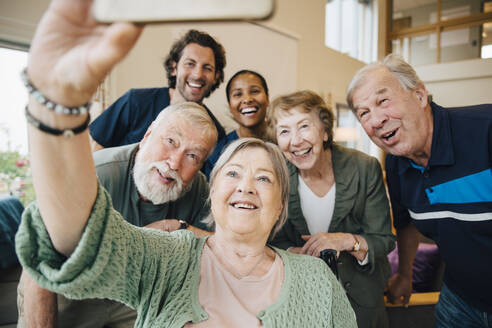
[158, 273]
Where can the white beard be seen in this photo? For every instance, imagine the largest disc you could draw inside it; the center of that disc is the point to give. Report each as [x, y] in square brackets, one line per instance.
[149, 186]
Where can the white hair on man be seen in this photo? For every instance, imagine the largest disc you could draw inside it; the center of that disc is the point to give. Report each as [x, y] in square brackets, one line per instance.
[401, 70]
[193, 113]
[147, 185]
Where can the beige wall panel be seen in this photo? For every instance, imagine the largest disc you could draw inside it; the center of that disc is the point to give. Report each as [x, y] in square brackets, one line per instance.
[460, 83]
[248, 46]
[18, 19]
[321, 69]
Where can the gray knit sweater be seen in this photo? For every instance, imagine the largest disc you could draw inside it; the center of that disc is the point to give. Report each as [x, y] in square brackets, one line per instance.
[158, 273]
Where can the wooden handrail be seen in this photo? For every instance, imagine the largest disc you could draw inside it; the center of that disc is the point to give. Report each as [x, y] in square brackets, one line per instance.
[446, 25]
[417, 299]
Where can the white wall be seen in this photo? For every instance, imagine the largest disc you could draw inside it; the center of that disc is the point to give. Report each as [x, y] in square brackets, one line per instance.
[321, 69]
[248, 46]
[460, 83]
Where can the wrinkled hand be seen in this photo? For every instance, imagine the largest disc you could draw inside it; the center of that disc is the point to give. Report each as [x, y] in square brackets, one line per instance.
[323, 240]
[71, 53]
[165, 225]
[399, 289]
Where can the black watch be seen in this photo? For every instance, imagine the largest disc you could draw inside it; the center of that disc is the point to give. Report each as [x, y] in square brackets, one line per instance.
[183, 224]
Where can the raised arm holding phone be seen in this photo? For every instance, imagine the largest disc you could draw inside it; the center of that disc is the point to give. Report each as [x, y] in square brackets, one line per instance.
[70, 56]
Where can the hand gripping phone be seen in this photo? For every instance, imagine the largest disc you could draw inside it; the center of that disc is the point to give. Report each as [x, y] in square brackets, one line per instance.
[147, 11]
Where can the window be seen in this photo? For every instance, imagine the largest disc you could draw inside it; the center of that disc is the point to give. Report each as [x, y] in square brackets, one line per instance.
[15, 176]
[351, 28]
[14, 98]
[435, 31]
[487, 35]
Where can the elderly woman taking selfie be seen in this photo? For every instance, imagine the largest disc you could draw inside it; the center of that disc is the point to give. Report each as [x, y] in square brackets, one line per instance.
[337, 201]
[73, 241]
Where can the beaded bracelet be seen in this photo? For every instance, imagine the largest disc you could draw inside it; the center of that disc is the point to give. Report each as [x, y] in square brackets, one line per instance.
[67, 133]
[57, 108]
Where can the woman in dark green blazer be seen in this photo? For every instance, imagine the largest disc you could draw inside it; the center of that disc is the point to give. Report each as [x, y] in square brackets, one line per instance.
[337, 201]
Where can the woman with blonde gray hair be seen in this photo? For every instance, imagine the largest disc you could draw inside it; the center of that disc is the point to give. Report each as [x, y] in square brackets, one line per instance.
[337, 201]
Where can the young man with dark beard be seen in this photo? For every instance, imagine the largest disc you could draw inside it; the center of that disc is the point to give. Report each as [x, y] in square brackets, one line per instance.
[195, 68]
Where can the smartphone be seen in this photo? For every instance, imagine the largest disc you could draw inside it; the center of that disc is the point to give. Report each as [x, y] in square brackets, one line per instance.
[147, 11]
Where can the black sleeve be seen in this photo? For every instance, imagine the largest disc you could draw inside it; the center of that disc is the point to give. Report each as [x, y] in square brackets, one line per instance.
[401, 217]
[113, 124]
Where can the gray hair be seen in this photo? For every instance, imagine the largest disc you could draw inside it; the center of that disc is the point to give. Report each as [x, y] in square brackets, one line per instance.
[193, 113]
[401, 70]
[279, 168]
[309, 101]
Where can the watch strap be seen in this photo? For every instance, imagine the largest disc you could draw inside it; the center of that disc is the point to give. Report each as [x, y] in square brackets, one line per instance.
[183, 224]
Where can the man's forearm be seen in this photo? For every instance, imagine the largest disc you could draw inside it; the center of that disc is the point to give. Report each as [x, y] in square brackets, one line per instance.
[408, 242]
[40, 305]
